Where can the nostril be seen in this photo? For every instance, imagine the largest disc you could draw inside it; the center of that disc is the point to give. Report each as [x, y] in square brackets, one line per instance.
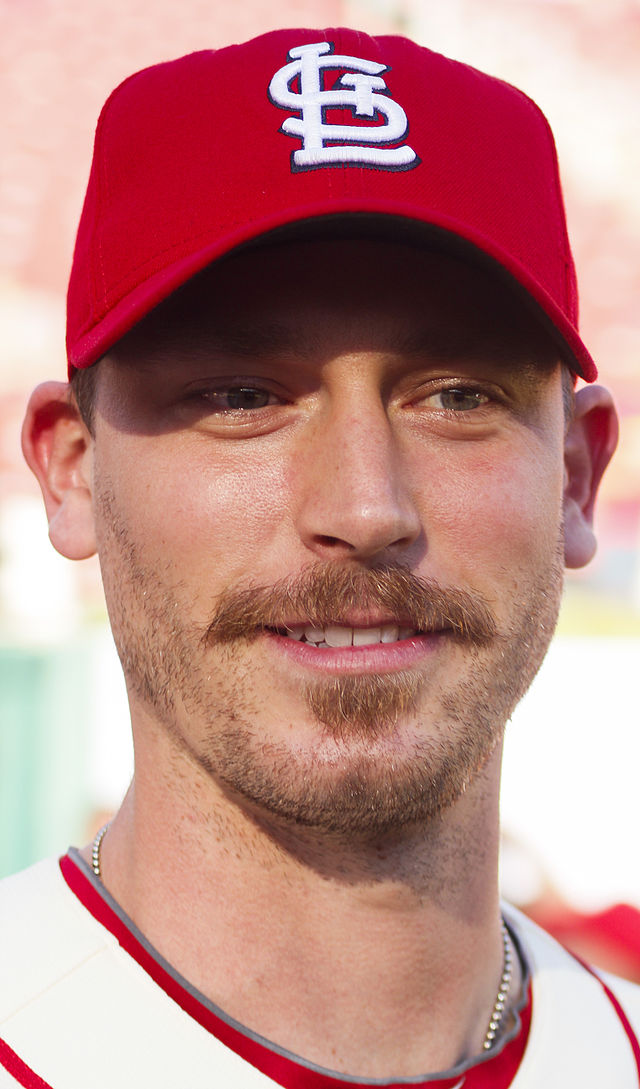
[331, 542]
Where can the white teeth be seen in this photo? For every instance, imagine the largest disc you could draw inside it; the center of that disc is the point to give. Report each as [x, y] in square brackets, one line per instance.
[335, 636]
[338, 635]
[362, 636]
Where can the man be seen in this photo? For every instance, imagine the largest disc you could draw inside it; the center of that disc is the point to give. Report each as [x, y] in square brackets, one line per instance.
[322, 432]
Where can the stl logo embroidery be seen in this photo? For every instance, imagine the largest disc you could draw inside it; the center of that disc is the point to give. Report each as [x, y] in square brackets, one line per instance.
[362, 90]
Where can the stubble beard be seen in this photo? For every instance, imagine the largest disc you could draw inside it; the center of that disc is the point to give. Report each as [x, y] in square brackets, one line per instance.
[389, 750]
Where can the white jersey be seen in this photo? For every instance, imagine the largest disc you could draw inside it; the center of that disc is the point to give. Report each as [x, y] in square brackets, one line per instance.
[87, 1003]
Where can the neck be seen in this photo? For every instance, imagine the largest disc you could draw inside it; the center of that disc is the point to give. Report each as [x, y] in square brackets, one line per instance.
[402, 931]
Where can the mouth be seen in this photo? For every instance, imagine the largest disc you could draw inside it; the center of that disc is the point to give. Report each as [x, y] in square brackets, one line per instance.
[341, 635]
[358, 648]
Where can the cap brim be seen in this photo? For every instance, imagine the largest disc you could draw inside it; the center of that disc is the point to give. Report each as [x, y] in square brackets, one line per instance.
[367, 219]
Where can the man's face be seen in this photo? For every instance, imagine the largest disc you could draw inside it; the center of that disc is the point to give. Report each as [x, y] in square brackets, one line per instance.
[328, 494]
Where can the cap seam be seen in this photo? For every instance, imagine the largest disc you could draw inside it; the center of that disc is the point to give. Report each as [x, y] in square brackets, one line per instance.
[99, 295]
[102, 198]
[103, 195]
[559, 211]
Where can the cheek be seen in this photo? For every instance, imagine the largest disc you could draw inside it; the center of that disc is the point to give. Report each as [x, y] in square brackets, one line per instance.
[496, 512]
[218, 513]
[245, 509]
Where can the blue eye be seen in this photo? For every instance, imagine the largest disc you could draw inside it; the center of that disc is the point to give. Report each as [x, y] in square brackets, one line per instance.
[457, 399]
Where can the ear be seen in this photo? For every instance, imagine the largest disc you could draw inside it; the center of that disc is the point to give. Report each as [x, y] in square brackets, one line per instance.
[589, 445]
[58, 449]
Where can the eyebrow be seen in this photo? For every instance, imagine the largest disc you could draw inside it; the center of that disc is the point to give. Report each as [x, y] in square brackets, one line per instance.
[441, 346]
[265, 339]
[444, 345]
[275, 337]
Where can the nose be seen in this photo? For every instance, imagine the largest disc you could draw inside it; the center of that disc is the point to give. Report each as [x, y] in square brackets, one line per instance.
[355, 493]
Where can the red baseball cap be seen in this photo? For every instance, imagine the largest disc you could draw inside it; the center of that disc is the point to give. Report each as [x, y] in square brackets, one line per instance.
[198, 156]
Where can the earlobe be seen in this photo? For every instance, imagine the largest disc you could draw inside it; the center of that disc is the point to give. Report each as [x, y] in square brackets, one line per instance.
[589, 445]
[58, 450]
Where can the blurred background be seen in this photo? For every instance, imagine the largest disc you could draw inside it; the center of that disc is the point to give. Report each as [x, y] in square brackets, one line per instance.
[570, 796]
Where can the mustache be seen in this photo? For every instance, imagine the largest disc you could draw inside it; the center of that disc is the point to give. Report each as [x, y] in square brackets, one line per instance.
[322, 594]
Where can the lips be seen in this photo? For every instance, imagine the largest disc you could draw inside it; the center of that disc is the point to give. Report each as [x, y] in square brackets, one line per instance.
[339, 635]
[343, 649]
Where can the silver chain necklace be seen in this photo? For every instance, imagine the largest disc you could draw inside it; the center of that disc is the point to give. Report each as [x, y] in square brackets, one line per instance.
[95, 851]
[500, 1003]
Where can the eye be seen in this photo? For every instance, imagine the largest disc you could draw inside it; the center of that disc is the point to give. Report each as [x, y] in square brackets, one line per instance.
[457, 399]
[242, 398]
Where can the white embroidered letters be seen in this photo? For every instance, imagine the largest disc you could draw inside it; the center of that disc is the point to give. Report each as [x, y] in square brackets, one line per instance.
[360, 89]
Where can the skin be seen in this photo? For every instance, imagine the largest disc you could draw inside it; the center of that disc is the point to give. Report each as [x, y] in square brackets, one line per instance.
[404, 412]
